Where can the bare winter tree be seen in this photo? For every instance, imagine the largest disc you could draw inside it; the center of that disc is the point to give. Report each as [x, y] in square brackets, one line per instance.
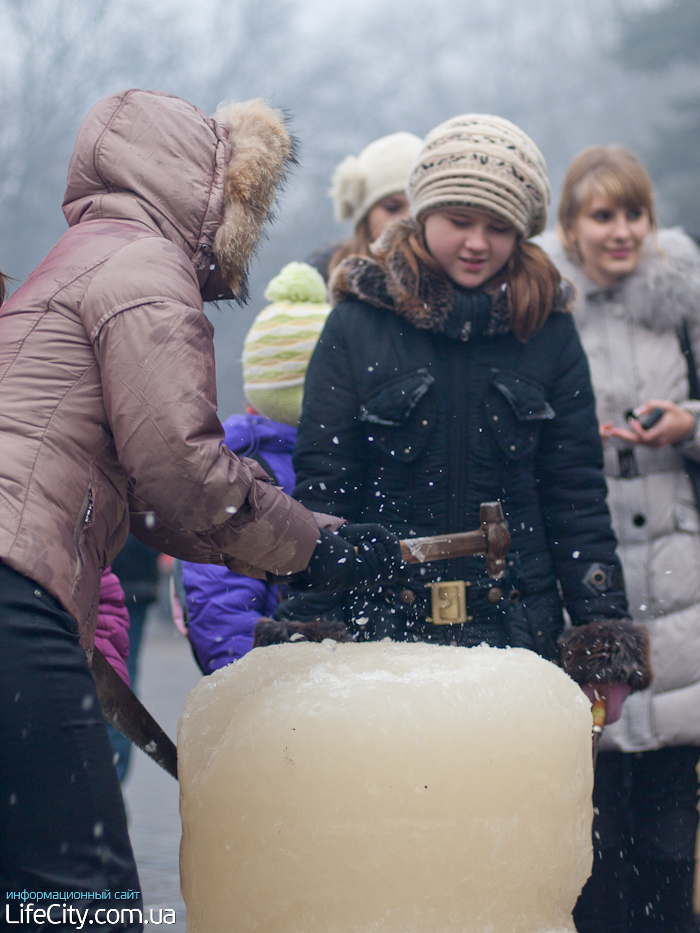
[62, 57]
[347, 72]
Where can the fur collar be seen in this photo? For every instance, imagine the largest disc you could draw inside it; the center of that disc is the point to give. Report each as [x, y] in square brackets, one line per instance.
[421, 296]
[663, 290]
[262, 151]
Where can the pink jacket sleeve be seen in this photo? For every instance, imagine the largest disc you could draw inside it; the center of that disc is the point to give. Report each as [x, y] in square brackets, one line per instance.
[112, 633]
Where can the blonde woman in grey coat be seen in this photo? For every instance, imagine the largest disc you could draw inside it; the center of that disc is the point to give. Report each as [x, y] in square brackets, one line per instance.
[637, 289]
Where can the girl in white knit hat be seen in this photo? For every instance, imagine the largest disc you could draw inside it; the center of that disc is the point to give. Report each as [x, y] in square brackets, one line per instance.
[369, 190]
[449, 374]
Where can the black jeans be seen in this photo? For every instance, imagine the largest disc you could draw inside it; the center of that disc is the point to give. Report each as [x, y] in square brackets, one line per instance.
[62, 820]
[644, 826]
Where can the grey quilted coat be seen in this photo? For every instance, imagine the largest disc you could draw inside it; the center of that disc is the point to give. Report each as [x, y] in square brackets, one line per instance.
[107, 379]
[630, 335]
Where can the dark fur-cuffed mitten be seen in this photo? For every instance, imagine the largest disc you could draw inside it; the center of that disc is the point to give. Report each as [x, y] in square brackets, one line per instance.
[616, 651]
[271, 632]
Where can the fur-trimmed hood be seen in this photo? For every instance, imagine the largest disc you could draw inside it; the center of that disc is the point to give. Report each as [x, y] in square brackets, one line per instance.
[206, 184]
[263, 149]
[663, 290]
[422, 296]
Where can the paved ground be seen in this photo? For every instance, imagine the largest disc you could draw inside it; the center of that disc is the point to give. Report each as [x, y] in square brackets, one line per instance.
[167, 674]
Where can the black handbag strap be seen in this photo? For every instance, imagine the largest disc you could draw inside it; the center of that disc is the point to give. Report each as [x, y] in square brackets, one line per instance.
[263, 463]
[687, 350]
[691, 467]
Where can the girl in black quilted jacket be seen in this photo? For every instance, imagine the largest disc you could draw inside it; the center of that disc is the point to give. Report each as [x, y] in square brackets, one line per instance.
[449, 374]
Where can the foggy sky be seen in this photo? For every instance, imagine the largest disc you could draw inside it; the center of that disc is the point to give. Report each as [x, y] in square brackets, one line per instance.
[347, 71]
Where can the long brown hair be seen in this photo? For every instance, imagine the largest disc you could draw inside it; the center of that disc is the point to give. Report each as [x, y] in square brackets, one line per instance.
[610, 171]
[533, 282]
[3, 287]
[531, 278]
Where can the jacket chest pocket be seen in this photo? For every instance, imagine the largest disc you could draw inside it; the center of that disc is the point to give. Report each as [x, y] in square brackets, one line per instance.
[400, 415]
[515, 410]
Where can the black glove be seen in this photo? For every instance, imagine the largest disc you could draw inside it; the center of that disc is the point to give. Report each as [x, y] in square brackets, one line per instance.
[380, 549]
[336, 566]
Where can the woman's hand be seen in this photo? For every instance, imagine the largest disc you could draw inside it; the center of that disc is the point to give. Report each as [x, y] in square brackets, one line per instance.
[614, 696]
[674, 425]
[357, 557]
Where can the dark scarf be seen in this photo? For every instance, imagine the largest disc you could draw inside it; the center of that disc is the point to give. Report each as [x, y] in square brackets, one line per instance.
[476, 313]
[427, 299]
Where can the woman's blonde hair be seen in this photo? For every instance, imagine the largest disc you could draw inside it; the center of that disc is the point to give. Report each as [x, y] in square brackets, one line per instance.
[531, 277]
[611, 172]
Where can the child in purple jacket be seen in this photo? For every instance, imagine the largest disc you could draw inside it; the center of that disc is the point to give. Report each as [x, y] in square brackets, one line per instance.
[222, 606]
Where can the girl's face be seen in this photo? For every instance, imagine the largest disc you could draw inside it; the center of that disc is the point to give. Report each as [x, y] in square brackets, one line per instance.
[609, 239]
[471, 246]
[392, 207]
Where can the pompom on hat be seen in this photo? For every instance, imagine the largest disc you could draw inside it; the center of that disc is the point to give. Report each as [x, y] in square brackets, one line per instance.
[279, 344]
[381, 169]
[485, 162]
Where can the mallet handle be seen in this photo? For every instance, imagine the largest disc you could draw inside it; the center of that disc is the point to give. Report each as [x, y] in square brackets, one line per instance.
[492, 540]
[442, 547]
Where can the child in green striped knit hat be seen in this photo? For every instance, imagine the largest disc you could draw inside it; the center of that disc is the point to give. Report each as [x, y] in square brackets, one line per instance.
[223, 606]
[278, 347]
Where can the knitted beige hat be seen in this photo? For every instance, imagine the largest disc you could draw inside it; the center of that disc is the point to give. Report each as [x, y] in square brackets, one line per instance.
[381, 169]
[483, 162]
[279, 344]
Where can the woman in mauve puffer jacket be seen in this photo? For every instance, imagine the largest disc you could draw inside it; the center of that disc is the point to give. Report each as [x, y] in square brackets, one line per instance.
[108, 423]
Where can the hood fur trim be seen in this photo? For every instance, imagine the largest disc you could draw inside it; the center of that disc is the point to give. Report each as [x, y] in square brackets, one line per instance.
[616, 651]
[662, 292]
[263, 150]
[668, 281]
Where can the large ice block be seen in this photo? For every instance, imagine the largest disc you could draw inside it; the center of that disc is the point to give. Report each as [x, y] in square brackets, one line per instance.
[385, 788]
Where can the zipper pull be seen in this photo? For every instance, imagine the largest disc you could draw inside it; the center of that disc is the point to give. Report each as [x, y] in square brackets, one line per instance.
[87, 521]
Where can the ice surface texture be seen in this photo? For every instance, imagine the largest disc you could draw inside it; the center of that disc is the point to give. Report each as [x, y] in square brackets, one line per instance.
[385, 788]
